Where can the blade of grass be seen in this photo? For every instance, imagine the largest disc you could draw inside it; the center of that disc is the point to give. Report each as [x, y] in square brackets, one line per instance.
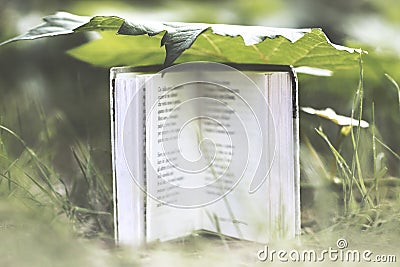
[316, 157]
[345, 170]
[396, 85]
[375, 156]
[92, 175]
[80, 165]
[25, 190]
[343, 166]
[43, 170]
[89, 211]
[43, 118]
[215, 221]
[356, 165]
[388, 148]
[53, 197]
[98, 192]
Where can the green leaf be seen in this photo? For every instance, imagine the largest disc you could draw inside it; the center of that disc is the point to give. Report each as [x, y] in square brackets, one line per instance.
[57, 24]
[113, 50]
[101, 23]
[195, 41]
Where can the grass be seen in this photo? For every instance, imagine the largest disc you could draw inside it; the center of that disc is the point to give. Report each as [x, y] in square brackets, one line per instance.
[50, 217]
[28, 177]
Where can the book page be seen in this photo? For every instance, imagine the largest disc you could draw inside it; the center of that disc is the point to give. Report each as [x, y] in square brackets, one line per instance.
[219, 154]
[234, 106]
[172, 145]
[128, 160]
[250, 138]
[283, 181]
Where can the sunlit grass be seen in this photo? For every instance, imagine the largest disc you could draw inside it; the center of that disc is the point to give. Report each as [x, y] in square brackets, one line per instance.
[28, 175]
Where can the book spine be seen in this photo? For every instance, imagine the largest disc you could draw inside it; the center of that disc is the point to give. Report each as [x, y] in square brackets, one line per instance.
[296, 151]
[113, 152]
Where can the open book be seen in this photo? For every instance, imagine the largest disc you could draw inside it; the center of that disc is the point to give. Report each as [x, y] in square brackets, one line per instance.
[205, 146]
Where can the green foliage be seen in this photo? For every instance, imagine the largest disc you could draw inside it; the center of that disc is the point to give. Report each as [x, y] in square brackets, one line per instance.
[195, 41]
[60, 23]
[28, 175]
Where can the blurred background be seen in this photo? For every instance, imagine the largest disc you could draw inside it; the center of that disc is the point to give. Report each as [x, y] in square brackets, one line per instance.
[60, 106]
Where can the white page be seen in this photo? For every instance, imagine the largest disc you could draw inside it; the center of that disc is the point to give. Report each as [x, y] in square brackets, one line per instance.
[128, 168]
[282, 183]
[168, 149]
[241, 214]
[241, 148]
[240, 126]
